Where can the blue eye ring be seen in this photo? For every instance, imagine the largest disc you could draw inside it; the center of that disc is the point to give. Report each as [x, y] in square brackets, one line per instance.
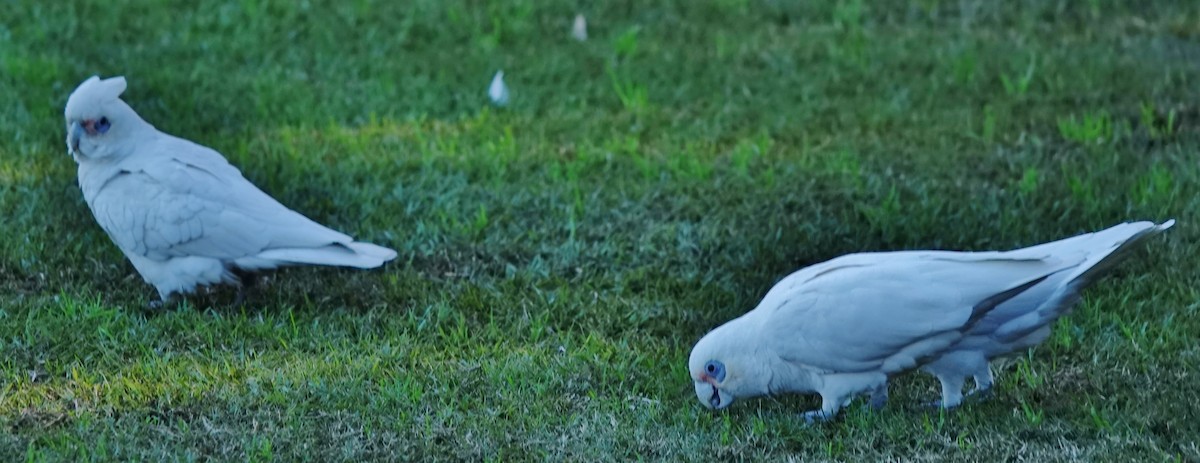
[715, 370]
[102, 125]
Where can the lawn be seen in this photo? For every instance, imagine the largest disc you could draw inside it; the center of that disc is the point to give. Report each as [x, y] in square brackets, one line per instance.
[559, 257]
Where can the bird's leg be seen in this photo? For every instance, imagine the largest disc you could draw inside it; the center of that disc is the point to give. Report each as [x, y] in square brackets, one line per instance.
[983, 385]
[164, 301]
[814, 416]
[829, 408]
[246, 283]
[951, 392]
[879, 396]
[838, 387]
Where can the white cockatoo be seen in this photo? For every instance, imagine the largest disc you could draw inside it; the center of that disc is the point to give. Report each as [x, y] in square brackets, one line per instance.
[179, 211]
[1027, 319]
[842, 327]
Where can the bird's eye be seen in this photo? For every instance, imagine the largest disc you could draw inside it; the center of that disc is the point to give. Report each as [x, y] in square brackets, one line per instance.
[715, 369]
[102, 125]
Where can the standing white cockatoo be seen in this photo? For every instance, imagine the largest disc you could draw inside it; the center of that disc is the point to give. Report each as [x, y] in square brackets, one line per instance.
[842, 327]
[1026, 320]
[179, 211]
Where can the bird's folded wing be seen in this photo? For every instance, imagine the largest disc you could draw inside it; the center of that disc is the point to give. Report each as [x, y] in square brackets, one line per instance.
[182, 207]
[891, 314]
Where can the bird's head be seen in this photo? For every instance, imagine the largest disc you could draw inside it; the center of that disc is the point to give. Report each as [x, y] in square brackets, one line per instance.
[724, 366]
[97, 119]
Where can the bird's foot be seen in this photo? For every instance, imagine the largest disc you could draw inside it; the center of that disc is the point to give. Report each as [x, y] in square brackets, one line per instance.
[879, 398]
[980, 395]
[240, 299]
[937, 404]
[815, 416]
[161, 303]
[974, 396]
[247, 284]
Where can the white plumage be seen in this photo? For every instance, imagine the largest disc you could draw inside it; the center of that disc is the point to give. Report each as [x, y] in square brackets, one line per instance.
[1026, 320]
[179, 211]
[842, 327]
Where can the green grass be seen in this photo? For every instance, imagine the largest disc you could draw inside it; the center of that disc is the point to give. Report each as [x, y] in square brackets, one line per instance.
[559, 257]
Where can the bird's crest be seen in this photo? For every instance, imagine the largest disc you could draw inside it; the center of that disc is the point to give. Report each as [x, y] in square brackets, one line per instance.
[93, 94]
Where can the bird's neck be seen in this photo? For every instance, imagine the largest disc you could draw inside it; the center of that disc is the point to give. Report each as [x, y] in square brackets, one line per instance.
[134, 138]
[95, 171]
[775, 374]
[93, 175]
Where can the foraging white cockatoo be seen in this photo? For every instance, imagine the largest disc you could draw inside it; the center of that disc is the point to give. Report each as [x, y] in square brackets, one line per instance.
[842, 327]
[179, 211]
[1027, 319]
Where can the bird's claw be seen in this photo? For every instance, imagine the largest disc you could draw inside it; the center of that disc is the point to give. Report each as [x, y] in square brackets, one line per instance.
[981, 394]
[815, 416]
[161, 304]
[937, 405]
[977, 395]
[240, 299]
[247, 284]
[878, 400]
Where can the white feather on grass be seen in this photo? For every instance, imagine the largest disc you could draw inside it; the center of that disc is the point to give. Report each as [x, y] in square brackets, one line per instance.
[498, 91]
[579, 28]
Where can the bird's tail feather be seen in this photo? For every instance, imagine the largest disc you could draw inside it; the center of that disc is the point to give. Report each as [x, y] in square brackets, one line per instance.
[1093, 267]
[1089, 245]
[1100, 262]
[356, 254]
[371, 250]
[1096, 265]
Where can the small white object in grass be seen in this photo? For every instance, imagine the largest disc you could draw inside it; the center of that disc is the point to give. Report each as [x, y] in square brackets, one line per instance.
[579, 29]
[498, 92]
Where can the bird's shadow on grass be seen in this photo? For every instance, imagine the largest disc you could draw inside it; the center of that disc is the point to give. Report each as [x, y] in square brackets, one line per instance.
[274, 291]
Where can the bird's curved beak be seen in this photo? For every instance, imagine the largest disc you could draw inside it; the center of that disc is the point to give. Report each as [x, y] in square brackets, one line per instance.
[712, 396]
[74, 134]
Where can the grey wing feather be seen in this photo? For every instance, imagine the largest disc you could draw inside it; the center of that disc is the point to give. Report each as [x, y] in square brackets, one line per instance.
[892, 313]
[194, 203]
